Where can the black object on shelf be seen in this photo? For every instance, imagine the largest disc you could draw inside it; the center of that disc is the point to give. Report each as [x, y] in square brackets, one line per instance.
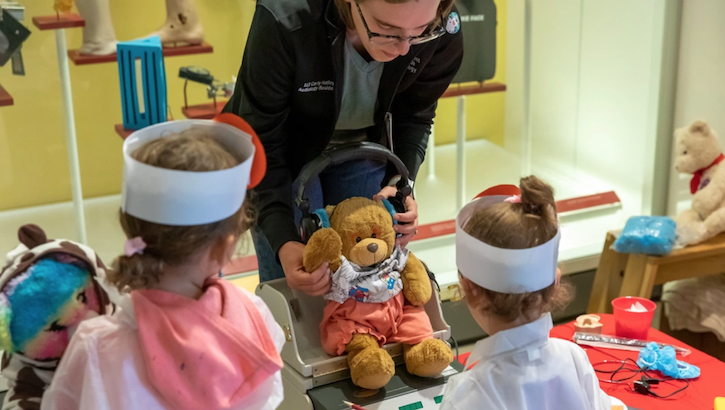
[213, 88]
[196, 74]
[12, 36]
[478, 24]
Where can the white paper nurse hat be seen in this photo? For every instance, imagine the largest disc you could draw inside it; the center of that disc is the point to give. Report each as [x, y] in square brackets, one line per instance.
[186, 198]
[503, 270]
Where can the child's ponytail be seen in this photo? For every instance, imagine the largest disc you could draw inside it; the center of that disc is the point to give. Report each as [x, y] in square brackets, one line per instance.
[136, 271]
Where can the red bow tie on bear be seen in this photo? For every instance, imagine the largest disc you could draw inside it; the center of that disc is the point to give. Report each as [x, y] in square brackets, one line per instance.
[695, 182]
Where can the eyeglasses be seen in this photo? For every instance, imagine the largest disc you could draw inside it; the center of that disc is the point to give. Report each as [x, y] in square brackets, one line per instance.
[384, 39]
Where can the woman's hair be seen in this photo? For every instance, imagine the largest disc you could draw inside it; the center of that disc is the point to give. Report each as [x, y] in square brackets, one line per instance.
[345, 11]
[519, 225]
[189, 150]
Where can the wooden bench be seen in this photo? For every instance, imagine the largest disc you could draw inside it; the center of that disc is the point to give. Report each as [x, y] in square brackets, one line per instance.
[622, 274]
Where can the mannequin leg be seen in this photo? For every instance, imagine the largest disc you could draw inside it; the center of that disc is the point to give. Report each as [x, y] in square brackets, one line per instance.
[182, 24]
[98, 35]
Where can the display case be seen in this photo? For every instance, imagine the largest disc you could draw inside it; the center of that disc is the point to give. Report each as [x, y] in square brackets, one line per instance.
[588, 108]
[582, 95]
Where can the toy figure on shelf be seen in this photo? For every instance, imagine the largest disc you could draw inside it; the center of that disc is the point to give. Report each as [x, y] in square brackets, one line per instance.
[698, 152]
[62, 6]
[98, 35]
[182, 24]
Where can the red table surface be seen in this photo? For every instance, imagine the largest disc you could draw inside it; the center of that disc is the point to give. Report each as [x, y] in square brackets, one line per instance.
[700, 395]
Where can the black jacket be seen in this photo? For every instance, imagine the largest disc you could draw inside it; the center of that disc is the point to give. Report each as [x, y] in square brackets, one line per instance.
[289, 89]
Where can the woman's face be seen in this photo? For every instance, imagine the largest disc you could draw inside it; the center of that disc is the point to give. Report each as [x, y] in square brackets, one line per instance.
[404, 20]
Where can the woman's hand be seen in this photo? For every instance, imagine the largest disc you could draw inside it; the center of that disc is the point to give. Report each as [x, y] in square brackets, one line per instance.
[315, 283]
[410, 217]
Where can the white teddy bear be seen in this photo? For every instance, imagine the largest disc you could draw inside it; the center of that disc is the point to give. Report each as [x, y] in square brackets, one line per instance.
[698, 152]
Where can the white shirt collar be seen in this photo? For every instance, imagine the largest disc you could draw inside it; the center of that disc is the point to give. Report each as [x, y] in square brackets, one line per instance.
[126, 312]
[531, 335]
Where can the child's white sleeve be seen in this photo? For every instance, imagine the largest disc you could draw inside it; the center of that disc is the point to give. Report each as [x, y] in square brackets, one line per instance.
[590, 382]
[77, 382]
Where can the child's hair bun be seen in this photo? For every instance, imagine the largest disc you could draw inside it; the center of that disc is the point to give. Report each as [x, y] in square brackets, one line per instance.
[537, 198]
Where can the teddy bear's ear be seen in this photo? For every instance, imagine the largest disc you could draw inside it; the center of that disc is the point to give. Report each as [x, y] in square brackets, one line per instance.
[701, 127]
[330, 209]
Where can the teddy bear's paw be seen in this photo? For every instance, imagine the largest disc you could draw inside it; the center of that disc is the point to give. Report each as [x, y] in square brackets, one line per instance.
[418, 293]
[325, 245]
[326, 238]
[690, 233]
[703, 206]
[416, 283]
[428, 358]
[371, 368]
[687, 216]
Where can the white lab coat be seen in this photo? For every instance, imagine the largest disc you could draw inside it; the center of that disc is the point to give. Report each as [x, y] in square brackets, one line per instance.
[106, 370]
[522, 368]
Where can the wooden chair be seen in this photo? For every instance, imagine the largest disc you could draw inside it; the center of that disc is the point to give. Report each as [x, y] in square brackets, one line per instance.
[622, 274]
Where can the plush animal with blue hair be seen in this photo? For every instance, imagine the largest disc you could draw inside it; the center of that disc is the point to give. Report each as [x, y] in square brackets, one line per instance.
[46, 289]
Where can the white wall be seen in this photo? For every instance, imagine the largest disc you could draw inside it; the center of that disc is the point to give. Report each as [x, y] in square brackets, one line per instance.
[700, 80]
[555, 60]
[596, 92]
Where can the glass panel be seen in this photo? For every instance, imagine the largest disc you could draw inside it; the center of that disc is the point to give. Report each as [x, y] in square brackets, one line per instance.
[587, 84]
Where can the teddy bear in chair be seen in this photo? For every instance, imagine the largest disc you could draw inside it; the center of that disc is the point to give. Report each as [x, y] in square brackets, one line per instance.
[377, 296]
[698, 152]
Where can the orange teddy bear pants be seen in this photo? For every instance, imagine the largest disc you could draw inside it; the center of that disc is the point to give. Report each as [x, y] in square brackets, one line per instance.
[391, 321]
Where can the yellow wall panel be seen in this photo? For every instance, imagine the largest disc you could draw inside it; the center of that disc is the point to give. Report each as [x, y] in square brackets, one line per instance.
[33, 159]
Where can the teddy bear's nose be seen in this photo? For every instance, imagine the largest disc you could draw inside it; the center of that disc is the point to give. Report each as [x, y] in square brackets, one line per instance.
[373, 247]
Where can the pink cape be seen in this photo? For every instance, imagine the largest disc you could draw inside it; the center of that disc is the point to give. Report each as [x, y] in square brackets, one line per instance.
[206, 353]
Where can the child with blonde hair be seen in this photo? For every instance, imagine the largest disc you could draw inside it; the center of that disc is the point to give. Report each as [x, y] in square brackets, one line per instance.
[184, 338]
[506, 251]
